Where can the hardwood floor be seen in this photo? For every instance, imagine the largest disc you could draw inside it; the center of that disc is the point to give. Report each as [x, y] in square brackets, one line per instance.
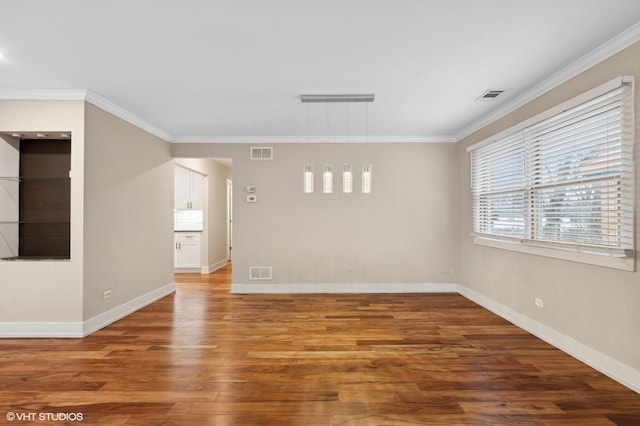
[203, 356]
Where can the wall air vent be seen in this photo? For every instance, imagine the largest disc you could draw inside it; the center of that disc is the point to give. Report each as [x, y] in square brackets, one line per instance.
[262, 153]
[490, 95]
[259, 272]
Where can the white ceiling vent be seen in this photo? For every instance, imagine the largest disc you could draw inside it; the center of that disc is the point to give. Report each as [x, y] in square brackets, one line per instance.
[262, 153]
[490, 95]
[259, 272]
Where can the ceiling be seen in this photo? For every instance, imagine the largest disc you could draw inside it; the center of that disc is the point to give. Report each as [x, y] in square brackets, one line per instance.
[234, 69]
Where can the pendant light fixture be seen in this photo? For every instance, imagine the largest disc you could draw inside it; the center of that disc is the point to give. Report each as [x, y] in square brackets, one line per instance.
[347, 179]
[367, 177]
[347, 170]
[327, 179]
[308, 179]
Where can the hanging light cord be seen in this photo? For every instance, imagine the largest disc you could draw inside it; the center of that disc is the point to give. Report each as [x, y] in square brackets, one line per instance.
[347, 105]
[366, 132]
[308, 123]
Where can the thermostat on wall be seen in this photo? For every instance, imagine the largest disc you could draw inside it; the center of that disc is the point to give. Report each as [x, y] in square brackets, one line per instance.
[250, 189]
[252, 198]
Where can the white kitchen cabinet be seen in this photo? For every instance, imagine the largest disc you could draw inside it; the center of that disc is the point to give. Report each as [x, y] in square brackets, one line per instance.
[189, 187]
[187, 249]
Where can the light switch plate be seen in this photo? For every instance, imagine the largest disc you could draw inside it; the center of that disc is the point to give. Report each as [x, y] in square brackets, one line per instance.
[252, 198]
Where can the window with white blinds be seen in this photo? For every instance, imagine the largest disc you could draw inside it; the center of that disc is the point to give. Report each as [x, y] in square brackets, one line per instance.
[564, 179]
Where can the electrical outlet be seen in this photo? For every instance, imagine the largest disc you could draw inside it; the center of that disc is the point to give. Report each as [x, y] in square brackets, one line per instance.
[106, 294]
[539, 303]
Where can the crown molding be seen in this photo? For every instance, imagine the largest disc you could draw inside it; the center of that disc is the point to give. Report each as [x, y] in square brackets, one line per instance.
[623, 40]
[86, 96]
[110, 107]
[313, 139]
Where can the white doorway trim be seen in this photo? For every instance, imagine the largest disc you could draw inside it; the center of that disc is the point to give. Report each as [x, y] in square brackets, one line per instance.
[229, 219]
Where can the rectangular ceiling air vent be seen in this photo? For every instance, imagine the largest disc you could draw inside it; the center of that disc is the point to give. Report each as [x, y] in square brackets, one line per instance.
[490, 95]
[262, 153]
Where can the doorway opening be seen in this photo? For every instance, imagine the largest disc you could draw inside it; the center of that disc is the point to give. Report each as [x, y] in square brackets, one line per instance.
[211, 243]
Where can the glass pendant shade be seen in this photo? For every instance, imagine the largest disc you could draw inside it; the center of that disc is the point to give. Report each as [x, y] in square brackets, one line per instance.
[367, 176]
[308, 180]
[327, 179]
[347, 179]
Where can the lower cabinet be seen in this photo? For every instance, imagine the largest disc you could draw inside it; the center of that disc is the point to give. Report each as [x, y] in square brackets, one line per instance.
[186, 250]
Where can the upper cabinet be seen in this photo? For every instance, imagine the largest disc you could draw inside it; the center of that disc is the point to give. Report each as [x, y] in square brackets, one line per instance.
[189, 186]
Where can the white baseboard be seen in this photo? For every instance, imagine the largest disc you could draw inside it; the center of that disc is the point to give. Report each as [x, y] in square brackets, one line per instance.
[40, 329]
[112, 315]
[616, 370]
[188, 270]
[271, 288]
[213, 267]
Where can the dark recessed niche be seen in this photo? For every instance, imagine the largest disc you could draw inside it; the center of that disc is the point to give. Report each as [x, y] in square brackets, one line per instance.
[45, 199]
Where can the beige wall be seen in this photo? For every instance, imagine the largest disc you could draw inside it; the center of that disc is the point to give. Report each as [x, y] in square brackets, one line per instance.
[47, 291]
[215, 200]
[128, 238]
[596, 306]
[401, 233]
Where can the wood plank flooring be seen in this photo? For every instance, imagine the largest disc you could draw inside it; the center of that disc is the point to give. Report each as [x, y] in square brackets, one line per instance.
[203, 356]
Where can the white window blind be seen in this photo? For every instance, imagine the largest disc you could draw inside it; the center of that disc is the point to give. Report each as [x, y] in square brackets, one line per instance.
[566, 180]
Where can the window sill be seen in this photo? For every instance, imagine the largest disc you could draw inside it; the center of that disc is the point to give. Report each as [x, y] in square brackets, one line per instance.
[623, 263]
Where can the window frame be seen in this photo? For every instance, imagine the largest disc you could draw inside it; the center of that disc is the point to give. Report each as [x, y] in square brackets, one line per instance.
[527, 243]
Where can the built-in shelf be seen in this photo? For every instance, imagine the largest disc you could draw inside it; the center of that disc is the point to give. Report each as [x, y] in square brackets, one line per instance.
[43, 179]
[18, 258]
[43, 223]
[40, 201]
